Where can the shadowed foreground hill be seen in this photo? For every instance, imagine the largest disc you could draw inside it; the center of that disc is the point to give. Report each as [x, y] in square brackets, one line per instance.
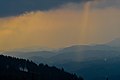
[20, 69]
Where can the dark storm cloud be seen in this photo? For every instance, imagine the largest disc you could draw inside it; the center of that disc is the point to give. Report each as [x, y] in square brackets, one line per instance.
[16, 7]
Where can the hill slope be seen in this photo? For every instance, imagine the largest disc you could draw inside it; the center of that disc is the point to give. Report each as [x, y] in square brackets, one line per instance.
[20, 69]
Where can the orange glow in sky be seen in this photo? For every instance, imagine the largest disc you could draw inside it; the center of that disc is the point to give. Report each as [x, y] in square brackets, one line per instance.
[65, 26]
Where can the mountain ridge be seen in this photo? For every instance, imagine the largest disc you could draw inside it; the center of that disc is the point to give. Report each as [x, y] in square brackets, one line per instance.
[12, 68]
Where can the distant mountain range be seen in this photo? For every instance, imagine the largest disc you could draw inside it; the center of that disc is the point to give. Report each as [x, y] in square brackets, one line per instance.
[114, 43]
[93, 62]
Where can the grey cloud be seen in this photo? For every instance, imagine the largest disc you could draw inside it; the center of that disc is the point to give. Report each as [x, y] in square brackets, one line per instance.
[16, 7]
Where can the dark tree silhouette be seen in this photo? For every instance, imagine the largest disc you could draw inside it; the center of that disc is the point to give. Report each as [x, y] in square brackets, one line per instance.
[12, 68]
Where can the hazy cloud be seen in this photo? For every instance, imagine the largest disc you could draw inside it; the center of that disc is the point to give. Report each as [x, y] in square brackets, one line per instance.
[59, 28]
[17, 7]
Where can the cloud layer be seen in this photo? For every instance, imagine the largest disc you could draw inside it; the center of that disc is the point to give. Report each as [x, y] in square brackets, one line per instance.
[59, 28]
[17, 7]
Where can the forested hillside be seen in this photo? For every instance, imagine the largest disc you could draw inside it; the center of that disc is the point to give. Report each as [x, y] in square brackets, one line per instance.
[12, 68]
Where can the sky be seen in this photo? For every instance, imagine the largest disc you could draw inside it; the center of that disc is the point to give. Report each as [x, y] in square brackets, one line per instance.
[58, 23]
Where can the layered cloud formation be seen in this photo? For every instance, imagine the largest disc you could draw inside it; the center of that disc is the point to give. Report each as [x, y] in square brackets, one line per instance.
[16, 7]
[61, 27]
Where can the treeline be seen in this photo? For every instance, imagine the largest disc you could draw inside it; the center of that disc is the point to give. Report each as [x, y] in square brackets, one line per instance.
[12, 68]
